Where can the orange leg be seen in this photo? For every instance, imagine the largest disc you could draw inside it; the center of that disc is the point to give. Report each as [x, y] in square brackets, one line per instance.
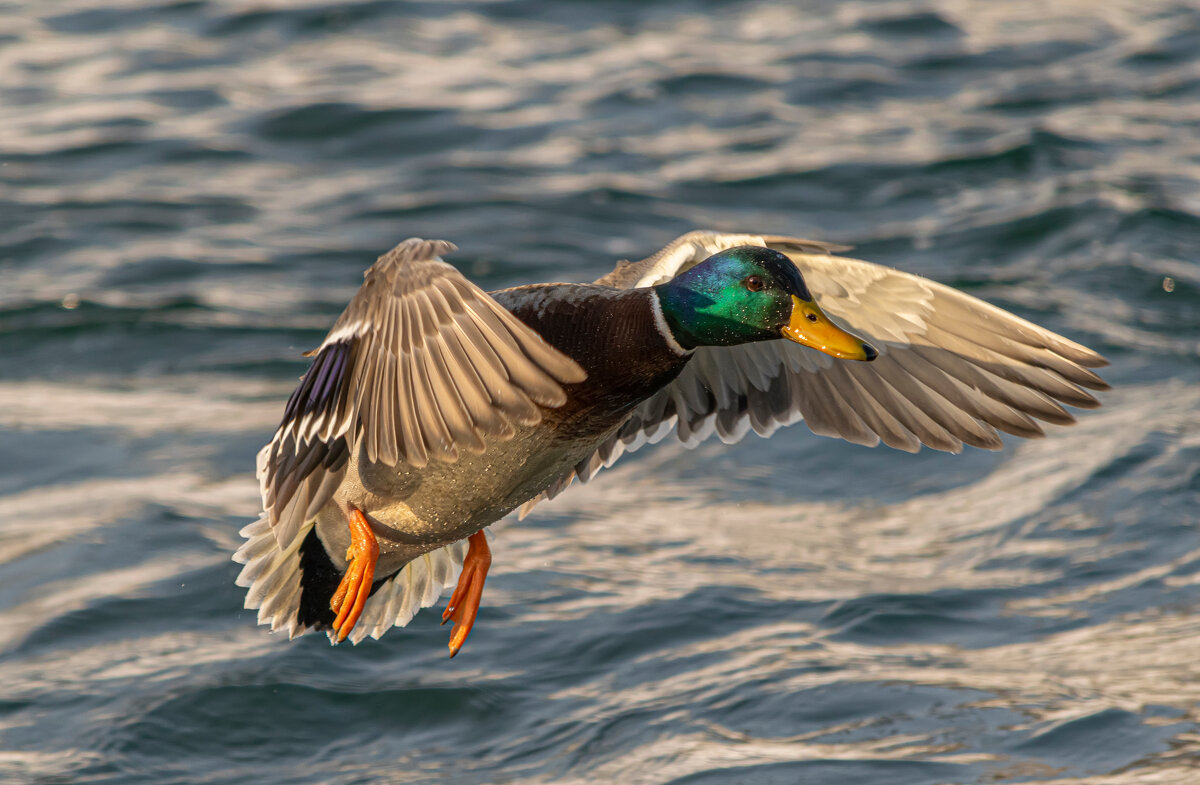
[464, 603]
[351, 595]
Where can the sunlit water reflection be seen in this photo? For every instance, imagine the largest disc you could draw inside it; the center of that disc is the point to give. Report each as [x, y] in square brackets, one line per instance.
[189, 191]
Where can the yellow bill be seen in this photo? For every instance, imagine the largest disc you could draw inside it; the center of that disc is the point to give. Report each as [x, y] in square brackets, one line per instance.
[811, 327]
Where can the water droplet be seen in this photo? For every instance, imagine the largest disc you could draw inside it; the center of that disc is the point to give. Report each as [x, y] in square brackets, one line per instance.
[1168, 284]
[70, 301]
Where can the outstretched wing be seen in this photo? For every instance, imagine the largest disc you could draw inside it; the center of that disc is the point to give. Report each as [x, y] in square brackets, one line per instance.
[952, 369]
[421, 365]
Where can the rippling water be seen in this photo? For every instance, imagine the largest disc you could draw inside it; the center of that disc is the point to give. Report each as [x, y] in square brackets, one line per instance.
[188, 194]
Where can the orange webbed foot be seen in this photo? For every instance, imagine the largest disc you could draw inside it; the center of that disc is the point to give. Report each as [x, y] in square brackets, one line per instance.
[352, 593]
[464, 603]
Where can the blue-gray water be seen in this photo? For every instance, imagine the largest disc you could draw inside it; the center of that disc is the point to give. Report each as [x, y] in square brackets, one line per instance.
[190, 190]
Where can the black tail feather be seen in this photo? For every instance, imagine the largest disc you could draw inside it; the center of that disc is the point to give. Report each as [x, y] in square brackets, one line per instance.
[319, 579]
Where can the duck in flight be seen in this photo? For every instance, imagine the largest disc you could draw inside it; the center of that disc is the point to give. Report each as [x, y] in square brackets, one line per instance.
[432, 408]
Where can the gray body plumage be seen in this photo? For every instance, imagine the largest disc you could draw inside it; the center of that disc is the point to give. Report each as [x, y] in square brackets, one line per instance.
[415, 511]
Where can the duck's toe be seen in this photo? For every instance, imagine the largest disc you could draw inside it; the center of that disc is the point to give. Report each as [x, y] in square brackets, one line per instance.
[351, 595]
[464, 603]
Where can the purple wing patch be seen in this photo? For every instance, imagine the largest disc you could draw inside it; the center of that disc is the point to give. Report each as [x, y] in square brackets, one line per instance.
[322, 387]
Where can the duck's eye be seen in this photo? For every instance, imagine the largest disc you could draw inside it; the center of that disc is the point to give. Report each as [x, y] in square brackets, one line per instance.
[755, 283]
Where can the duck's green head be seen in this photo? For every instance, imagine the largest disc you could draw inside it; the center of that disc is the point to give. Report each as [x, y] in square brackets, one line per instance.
[748, 294]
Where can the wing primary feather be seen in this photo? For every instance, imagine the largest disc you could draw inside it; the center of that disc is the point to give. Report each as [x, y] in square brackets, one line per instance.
[1038, 358]
[904, 409]
[389, 438]
[1019, 398]
[953, 306]
[970, 429]
[451, 406]
[974, 402]
[999, 365]
[473, 369]
[959, 424]
[484, 360]
[512, 399]
[509, 400]
[893, 432]
[816, 399]
[429, 411]
[487, 420]
[548, 360]
[916, 418]
[441, 377]
[410, 429]
[533, 382]
[363, 397]
[376, 409]
[381, 441]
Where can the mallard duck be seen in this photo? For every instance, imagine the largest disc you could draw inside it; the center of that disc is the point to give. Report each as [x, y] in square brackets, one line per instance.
[432, 408]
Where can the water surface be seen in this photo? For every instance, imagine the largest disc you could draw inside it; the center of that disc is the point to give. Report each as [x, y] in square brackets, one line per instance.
[190, 190]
